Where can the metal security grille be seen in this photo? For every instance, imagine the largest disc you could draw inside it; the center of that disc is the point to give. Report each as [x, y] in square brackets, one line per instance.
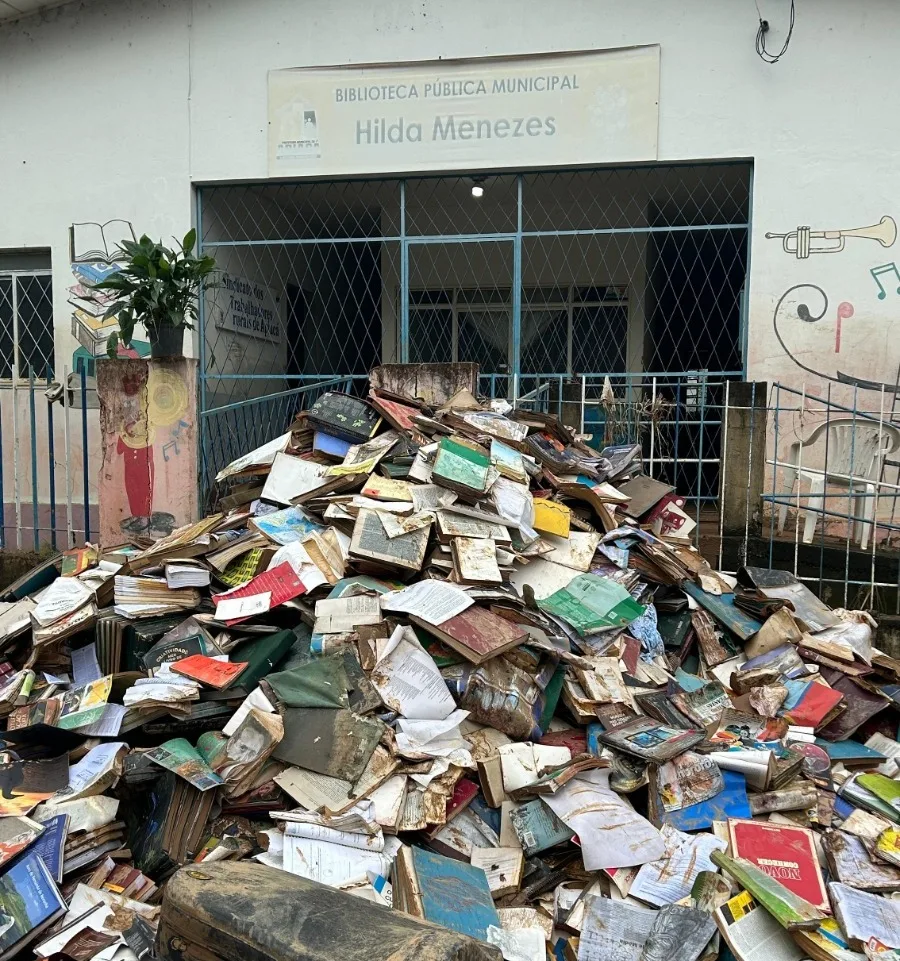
[550, 281]
[26, 323]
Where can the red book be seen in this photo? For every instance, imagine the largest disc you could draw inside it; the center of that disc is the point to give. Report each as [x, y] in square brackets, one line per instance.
[784, 852]
[631, 653]
[209, 671]
[281, 582]
[463, 794]
[574, 738]
[398, 415]
[814, 706]
[476, 633]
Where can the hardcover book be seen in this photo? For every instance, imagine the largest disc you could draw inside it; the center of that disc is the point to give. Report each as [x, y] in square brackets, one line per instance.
[29, 902]
[445, 891]
[462, 466]
[476, 633]
[209, 671]
[784, 852]
[344, 416]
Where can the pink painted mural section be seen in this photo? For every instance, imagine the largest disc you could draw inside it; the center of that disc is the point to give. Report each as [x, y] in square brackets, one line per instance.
[148, 420]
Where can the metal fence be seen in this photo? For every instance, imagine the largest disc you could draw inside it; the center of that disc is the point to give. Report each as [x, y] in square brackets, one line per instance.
[831, 499]
[812, 486]
[676, 419]
[47, 430]
[573, 273]
[231, 430]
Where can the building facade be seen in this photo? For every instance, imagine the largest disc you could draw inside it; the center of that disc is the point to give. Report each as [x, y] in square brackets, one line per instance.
[620, 188]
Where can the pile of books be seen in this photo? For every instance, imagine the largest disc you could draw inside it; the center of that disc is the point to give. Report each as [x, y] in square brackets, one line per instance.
[452, 656]
[90, 325]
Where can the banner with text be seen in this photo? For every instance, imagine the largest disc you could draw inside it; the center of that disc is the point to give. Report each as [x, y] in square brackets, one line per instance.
[248, 308]
[551, 110]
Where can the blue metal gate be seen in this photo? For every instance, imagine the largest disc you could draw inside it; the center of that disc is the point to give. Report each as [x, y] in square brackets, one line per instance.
[549, 280]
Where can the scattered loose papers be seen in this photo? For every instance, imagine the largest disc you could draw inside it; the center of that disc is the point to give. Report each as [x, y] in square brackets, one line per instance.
[432, 601]
[409, 681]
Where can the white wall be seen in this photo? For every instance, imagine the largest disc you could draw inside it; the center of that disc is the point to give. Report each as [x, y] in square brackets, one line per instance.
[112, 108]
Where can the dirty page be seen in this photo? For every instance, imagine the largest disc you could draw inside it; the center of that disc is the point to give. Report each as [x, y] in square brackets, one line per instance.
[332, 864]
[612, 833]
[614, 930]
[671, 878]
[433, 601]
[409, 681]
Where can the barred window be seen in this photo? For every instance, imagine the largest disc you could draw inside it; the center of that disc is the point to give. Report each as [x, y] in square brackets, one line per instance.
[26, 315]
[567, 329]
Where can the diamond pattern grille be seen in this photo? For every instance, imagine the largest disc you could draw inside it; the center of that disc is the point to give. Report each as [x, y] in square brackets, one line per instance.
[26, 324]
[560, 277]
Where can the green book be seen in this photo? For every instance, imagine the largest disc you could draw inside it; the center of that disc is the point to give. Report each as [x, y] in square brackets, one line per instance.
[591, 603]
[263, 655]
[461, 466]
[139, 638]
[884, 788]
[789, 909]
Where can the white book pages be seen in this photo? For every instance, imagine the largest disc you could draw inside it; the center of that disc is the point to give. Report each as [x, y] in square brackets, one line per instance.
[433, 601]
[409, 681]
[331, 864]
[611, 832]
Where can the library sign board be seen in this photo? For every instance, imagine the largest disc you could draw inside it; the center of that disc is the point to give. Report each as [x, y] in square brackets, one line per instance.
[568, 109]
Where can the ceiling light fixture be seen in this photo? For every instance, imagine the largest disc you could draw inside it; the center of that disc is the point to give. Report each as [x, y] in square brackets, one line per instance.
[478, 187]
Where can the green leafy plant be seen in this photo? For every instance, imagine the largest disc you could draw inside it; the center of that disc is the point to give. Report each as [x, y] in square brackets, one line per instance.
[157, 286]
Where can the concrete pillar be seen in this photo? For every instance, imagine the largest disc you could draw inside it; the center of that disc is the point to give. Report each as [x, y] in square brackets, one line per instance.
[743, 453]
[570, 410]
[148, 424]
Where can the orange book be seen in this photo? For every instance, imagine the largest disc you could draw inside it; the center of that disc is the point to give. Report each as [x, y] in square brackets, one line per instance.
[209, 671]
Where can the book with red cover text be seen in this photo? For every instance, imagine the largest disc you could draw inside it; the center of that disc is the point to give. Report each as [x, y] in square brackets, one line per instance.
[281, 582]
[785, 852]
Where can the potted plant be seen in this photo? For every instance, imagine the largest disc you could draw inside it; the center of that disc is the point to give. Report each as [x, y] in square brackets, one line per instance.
[156, 287]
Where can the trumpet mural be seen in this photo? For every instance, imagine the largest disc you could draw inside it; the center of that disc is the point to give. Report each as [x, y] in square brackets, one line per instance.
[804, 242]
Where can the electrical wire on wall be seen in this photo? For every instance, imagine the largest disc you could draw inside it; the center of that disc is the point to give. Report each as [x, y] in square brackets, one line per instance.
[767, 55]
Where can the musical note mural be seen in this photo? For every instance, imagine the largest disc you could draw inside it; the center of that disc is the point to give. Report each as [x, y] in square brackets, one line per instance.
[803, 242]
[802, 324]
[844, 312]
[878, 272]
[148, 483]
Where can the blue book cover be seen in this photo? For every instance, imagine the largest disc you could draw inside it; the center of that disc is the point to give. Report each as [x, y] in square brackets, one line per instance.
[594, 744]
[731, 802]
[689, 682]
[49, 846]
[537, 827]
[454, 894]
[850, 751]
[843, 809]
[329, 444]
[490, 816]
[723, 610]
[286, 526]
[29, 899]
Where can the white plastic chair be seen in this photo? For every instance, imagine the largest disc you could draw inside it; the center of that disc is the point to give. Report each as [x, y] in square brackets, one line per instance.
[854, 460]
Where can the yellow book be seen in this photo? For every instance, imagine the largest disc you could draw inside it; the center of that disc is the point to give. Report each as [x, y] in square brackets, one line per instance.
[551, 517]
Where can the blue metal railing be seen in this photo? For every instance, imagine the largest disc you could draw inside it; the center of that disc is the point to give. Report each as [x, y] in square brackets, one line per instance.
[46, 499]
[676, 418]
[231, 430]
[843, 538]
